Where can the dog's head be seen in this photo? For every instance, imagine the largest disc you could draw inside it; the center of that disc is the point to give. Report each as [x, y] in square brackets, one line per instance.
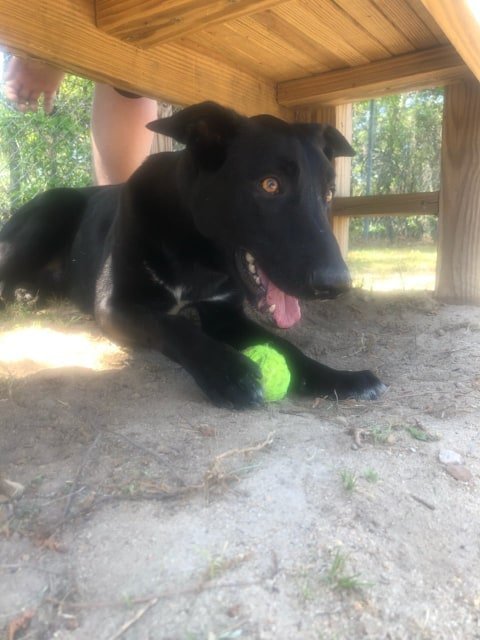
[259, 188]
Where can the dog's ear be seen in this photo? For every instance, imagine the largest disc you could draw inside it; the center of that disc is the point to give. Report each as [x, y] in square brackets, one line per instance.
[334, 144]
[205, 129]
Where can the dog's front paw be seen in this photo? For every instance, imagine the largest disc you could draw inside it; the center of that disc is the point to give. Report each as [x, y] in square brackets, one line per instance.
[359, 384]
[231, 380]
[317, 379]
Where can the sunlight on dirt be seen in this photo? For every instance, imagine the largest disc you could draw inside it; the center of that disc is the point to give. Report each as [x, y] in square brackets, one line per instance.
[51, 348]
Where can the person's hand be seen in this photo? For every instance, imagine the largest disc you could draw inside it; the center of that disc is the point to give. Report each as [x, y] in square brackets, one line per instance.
[26, 80]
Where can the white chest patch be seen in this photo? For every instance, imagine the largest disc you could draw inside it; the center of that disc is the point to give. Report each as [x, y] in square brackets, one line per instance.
[179, 293]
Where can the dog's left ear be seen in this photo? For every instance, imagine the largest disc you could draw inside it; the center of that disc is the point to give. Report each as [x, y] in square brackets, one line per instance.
[205, 129]
[331, 141]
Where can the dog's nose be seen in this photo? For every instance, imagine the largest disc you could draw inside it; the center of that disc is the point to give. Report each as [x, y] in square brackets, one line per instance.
[329, 282]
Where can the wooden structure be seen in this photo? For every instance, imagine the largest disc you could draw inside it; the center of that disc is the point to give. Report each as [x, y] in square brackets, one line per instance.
[298, 59]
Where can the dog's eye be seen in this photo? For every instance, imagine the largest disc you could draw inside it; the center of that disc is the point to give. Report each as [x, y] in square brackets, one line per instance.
[329, 195]
[270, 185]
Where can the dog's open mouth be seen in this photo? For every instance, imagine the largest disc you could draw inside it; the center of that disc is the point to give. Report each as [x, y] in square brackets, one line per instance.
[281, 308]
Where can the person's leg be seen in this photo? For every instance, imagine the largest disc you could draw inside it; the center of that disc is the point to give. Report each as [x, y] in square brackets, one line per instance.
[120, 140]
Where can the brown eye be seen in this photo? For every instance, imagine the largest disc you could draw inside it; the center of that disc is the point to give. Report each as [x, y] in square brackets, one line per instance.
[270, 185]
[329, 195]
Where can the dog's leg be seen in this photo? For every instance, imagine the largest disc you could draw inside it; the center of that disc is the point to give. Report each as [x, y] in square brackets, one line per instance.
[38, 233]
[228, 323]
[226, 376]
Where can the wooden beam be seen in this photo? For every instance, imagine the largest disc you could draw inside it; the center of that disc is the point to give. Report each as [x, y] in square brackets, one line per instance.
[460, 21]
[418, 70]
[63, 33]
[149, 22]
[458, 267]
[408, 204]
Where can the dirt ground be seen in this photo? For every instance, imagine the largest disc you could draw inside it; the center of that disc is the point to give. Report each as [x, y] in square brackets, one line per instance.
[148, 513]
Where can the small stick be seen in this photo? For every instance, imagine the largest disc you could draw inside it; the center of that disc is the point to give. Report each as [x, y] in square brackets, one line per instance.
[79, 475]
[425, 503]
[136, 618]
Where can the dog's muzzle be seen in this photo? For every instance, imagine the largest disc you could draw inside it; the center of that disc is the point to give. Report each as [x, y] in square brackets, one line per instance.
[329, 283]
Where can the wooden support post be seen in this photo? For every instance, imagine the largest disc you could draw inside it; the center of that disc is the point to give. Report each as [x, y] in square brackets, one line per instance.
[340, 117]
[458, 268]
[343, 167]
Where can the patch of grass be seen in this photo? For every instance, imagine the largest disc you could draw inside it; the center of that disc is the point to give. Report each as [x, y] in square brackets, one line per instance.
[381, 434]
[389, 268]
[349, 480]
[219, 563]
[339, 579]
[371, 475]
[420, 434]
[59, 313]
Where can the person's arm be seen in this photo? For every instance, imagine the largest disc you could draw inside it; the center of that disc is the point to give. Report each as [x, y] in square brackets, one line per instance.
[26, 80]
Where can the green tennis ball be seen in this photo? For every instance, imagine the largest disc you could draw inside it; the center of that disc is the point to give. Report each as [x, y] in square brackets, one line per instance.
[274, 369]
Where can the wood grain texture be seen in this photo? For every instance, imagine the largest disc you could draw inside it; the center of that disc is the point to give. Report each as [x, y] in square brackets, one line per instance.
[64, 33]
[392, 204]
[421, 69]
[378, 24]
[150, 22]
[425, 16]
[341, 118]
[325, 34]
[461, 25]
[343, 180]
[458, 268]
[407, 21]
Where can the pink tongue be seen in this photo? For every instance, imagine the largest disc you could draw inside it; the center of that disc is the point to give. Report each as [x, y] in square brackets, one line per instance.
[287, 310]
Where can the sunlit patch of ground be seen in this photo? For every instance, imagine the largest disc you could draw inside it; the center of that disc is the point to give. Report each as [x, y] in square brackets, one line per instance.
[393, 269]
[58, 337]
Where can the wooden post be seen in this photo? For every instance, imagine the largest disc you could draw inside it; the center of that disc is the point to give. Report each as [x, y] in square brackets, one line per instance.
[160, 142]
[343, 167]
[341, 118]
[458, 266]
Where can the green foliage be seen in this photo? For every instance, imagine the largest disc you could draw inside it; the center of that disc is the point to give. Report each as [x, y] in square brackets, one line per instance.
[39, 151]
[400, 153]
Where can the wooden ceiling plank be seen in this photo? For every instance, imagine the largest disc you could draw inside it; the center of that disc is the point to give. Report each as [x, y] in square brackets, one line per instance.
[407, 21]
[298, 39]
[149, 22]
[237, 47]
[302, 19]
[377, 24]
[420, 69]
[461, 25]
[328, 15]
[64, 34]
[426, 18]
[261, 38]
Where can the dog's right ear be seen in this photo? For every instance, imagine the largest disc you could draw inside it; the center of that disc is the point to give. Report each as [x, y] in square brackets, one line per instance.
[206, 129]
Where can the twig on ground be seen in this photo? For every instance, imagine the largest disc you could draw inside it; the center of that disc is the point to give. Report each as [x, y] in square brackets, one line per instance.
[198, 588]
[215, 473]
[425, 503]
[136, 618]
[80, 470]
[152, 454]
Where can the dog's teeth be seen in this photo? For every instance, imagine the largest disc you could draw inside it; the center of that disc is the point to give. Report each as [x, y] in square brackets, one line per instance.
[249, 258]
[251, 268]
[257, 279]
[272, 308]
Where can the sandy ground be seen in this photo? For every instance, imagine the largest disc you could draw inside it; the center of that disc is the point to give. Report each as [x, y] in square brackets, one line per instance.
[148, 513]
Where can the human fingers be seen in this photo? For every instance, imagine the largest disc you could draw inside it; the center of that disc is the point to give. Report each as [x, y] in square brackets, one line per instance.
[49, 101]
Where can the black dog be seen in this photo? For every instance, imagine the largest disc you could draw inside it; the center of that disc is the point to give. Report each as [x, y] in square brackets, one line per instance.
[241, 213]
